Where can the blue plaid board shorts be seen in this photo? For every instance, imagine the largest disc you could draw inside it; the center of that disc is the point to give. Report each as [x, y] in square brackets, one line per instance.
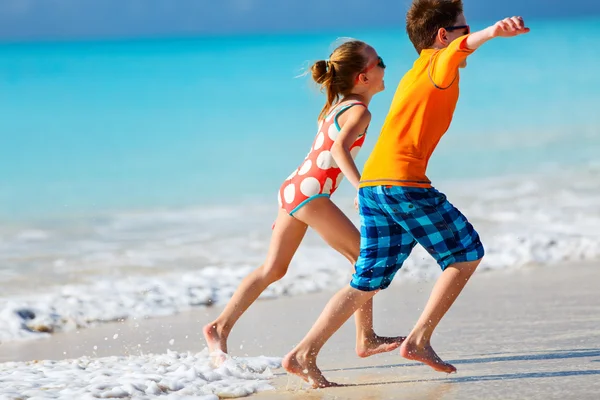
[394, 219]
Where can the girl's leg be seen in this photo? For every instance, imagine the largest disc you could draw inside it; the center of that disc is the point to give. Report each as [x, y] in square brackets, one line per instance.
[287, 236]
[302, 360]
[368, 343]
[341, 234]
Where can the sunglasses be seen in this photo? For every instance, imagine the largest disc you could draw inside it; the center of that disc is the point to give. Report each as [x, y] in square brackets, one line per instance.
[377, 63]
[467, 28]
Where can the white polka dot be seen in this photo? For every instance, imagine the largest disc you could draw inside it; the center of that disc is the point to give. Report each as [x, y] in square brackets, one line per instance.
[289, 193]
[305, 167]
[339, 180]
[293, 174]
[319, 141]
[333, 132]
[279, 199]
[320, 125]
[310, 186]
[328, 186]
[354, 151]
[325, 160]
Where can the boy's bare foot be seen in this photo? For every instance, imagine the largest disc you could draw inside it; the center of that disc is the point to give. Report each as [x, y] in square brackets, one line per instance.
[378, 344]
[295, 364]
[426, 355]
[215, 341]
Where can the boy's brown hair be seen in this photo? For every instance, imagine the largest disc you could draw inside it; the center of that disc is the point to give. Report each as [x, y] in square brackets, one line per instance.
[426, 17]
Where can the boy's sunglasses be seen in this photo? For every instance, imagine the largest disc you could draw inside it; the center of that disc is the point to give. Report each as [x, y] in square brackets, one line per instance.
[467, 28]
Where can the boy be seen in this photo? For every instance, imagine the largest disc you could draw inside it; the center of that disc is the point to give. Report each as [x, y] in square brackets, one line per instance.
[398, 206]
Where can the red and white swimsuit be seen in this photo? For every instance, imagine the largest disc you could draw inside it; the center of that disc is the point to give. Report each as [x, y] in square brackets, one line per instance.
[319, 175]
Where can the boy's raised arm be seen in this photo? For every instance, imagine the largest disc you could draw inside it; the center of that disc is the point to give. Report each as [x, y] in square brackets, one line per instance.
[446, 62]
[507, 27]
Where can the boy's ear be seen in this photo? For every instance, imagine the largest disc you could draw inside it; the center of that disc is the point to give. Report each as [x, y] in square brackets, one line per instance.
[442, 37]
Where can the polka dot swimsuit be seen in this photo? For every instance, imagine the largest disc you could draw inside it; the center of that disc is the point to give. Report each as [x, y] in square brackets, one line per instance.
[319, 175]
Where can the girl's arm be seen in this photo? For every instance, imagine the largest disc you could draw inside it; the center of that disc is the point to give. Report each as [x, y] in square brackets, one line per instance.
[356, 123]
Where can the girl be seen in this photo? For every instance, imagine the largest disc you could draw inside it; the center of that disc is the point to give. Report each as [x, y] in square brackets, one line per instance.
[350, 78]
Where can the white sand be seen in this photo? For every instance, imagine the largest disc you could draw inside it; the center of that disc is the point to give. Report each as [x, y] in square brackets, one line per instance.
[531, 333]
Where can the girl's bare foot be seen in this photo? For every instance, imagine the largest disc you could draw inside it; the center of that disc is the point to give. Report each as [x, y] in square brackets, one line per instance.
[306, 369]
[214, 339]
[377, 344]
[425, 354]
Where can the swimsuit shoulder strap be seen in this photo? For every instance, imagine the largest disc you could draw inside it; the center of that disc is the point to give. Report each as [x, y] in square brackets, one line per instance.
[340, 108]
[347, 104]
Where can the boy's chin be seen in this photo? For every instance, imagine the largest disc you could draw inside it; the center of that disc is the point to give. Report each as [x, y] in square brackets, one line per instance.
[463, 64]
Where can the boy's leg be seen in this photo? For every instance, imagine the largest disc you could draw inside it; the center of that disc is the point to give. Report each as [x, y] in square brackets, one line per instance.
[449, 285]
[339, 232]
[286, 237]
[449, 237]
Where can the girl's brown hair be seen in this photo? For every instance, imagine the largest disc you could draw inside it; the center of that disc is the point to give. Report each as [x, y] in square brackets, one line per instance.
[337, 76]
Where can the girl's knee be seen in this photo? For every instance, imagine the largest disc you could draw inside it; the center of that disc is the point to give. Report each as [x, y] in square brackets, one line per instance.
[352, 254]
[273, 272]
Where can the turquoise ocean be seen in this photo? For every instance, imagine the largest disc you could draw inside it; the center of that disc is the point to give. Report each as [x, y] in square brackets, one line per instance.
[130, 167]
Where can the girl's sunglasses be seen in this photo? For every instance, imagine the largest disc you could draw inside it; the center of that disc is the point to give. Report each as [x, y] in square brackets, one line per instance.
[467, 28]
[377, 63]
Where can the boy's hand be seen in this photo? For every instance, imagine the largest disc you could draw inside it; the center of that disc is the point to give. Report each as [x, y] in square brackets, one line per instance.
[356, 203]
[509, 27]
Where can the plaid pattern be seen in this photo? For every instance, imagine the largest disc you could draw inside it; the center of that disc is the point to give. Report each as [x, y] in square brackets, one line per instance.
[395, 218]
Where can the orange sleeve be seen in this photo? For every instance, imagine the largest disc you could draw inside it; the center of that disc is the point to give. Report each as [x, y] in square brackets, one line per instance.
[444, 64]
